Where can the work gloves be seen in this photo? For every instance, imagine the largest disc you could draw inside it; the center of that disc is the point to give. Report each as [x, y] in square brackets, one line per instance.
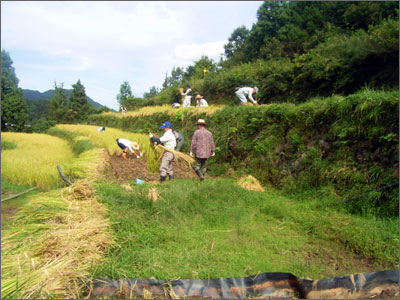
[150, 135]
[191, 154]
[213, 154]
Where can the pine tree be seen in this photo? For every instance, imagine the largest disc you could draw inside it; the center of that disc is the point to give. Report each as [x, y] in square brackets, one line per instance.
[14, 109]
[58, 108]
[125, 92]
[78, 102]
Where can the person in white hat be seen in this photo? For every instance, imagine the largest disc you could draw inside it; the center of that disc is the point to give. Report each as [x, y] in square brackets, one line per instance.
[201, 102]
[248, 92]
[125, 144]
[202, 148]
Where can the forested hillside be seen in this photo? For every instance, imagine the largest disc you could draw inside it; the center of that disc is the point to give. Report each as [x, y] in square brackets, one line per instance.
[37, 96]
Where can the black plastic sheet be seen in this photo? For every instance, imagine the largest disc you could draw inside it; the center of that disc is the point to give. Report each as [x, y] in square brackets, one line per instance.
[378, 285]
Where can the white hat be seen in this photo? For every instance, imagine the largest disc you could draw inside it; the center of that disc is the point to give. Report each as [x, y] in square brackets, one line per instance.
[200, 122]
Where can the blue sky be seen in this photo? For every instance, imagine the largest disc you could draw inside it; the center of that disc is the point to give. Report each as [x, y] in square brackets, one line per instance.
[105, 43]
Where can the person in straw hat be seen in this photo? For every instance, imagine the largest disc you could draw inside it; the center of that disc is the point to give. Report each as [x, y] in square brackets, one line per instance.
[201, 102]
[169, 141]
[125, 144]
[202, 148]
[244, 92]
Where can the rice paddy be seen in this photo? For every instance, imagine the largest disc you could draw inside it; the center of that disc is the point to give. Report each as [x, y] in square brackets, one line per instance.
[55, 237]
[148, 111]
[34, 159]
[107, 140]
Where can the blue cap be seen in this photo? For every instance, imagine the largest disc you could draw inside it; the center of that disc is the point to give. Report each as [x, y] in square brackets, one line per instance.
[166, 124]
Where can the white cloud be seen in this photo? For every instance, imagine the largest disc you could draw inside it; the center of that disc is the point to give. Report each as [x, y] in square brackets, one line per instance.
[104, 43]
[87, 26]
[194, 51]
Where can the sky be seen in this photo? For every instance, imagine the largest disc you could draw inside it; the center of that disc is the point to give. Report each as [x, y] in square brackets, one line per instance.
[104, 43]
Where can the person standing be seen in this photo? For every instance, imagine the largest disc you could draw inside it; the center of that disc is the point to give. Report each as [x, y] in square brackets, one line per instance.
[169, 141]
[201, 102]
[202, 148]
[179, 140]
[248, 92]
[188, 96]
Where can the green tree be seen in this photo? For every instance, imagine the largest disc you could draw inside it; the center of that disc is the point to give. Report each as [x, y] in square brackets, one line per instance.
[58, 107]
[175, 79]
[235, 41]
[125, 92]
[14, 109]
[78, 102]
[152, 93]
[197, 70]
[9, 79]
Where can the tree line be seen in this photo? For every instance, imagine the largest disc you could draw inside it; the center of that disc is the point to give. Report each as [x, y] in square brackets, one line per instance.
[61, 108]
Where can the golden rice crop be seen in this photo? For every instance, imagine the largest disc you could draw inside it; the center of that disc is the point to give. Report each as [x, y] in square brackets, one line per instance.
[149, 110]
[107, 140]
[34, 161]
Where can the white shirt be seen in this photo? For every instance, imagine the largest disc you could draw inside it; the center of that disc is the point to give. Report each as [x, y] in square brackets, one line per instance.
[126, 143]
[248, 91]
[202, 103]
[168, 139]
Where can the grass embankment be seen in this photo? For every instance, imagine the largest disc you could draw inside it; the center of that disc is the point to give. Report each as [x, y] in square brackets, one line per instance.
[218, 229]
[53, 238]
[107, 140]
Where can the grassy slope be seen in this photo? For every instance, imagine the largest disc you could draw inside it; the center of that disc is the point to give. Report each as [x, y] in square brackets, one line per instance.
[217, 229]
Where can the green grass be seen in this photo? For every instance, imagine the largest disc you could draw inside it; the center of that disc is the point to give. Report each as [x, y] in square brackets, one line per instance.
[5, 145]
[217, 229]
[10, 207]
[75, 140]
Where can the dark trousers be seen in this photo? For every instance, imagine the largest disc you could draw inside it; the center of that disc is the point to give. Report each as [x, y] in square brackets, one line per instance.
[123, 147]
[200, 164]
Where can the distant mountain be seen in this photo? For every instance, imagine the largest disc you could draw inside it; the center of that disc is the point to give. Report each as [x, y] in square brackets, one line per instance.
[38, 96]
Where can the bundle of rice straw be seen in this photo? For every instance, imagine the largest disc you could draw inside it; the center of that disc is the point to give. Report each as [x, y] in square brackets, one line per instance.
[250, 183]
[153, 194]
[178, 154]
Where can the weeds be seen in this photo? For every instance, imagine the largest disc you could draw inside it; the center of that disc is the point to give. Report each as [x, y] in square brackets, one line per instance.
[218, 229]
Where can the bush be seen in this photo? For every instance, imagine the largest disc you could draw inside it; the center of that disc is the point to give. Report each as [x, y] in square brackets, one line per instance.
[42, 124]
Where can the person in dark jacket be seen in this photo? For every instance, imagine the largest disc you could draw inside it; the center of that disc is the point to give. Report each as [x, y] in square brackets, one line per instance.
[179, 140]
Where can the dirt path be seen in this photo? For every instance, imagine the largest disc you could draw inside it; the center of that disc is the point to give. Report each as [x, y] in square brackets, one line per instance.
[122, 170]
